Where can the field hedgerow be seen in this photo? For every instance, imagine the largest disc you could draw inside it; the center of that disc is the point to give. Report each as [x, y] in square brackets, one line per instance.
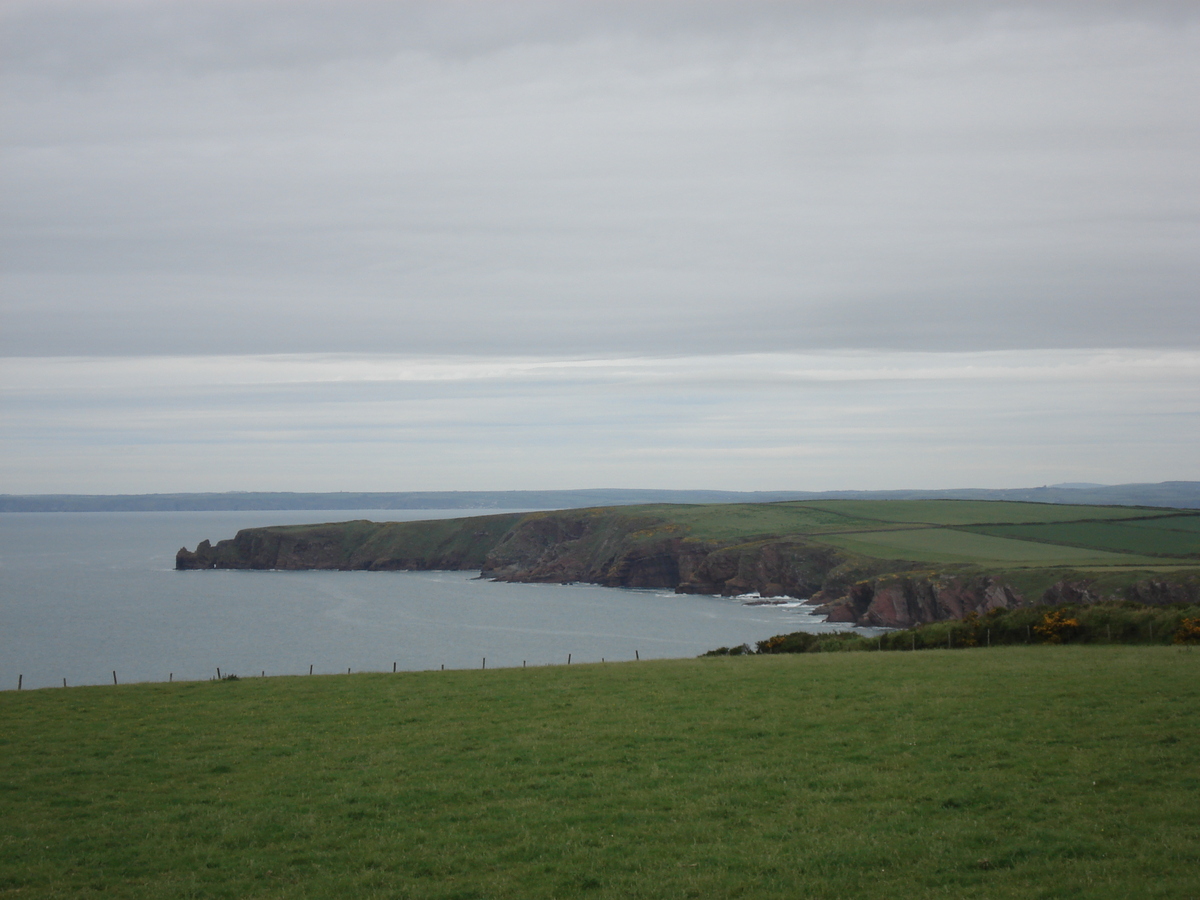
[1101, 623]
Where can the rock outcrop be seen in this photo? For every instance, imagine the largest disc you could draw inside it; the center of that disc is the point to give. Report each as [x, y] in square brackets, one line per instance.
[621, 551]
[1153, 591]
[904, 601]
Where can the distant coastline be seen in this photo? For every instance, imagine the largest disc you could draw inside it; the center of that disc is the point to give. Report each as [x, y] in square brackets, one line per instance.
[878, 563]
[1177, 494]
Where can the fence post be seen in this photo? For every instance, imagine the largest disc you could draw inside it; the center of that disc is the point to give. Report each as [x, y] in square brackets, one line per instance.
[114, 676]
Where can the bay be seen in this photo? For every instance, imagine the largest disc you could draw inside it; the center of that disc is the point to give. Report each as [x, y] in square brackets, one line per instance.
[85, 594]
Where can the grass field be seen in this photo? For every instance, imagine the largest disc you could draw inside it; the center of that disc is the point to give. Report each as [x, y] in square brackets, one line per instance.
[1155, 536]
[1011, 534]
[741, 520]
[974, 512]
[1006, 773]
[945, 545]
[738, 521]
[971, 532]
[1173, 523]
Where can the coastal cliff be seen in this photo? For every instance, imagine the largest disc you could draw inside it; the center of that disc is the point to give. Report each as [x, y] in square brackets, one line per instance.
[658, 547]
[439, 544]
[601, 546]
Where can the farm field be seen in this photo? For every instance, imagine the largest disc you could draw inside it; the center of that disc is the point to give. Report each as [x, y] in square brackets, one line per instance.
[1012, 534]
[975, 512]
[738, 521]
[1013, 772]
[745, 520]
[1173, 523]
[1155, 536]
[942, 531]
[945, 545]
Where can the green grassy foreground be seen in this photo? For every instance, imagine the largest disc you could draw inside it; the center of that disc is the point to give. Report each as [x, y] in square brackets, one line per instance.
[1011, 772]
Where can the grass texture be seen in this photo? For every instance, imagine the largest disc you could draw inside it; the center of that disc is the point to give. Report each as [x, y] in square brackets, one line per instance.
[1159, 537]
[983, 532]
[975, 512]
[946, 545]
[1013, 772]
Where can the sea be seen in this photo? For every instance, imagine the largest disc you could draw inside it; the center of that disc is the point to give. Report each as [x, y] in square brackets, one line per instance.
[89, 598]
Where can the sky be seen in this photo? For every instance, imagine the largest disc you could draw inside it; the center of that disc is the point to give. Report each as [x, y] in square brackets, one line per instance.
[498, 244]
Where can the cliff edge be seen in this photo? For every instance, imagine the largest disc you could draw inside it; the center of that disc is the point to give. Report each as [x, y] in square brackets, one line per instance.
[678, 548]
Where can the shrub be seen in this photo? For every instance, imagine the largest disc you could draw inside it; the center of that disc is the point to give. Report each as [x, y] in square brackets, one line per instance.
[1056, 628]
[796, 642]
[1188, 632]
[1101, 623]
[741, 650]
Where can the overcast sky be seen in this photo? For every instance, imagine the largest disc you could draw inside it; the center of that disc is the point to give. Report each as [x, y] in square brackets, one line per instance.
[273, 244]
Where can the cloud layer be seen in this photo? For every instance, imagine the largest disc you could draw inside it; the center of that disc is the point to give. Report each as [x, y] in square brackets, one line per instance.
[200, 177]
[742, 422]
[431, 244]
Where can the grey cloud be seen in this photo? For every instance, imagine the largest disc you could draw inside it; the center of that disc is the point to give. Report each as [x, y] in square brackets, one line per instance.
[598, 177]
[91, 36]
[865, 420]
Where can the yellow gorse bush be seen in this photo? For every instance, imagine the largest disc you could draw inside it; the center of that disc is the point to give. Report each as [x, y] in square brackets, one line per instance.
[1188, 632]
[1056, 628]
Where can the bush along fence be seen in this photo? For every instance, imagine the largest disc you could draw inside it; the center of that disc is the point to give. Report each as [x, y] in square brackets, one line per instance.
[1102, 623]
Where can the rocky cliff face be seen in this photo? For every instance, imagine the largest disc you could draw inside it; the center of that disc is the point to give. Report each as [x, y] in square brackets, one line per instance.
[901, 602]
[773, 568]
[906, 600]
[602, 549]
[595, 546]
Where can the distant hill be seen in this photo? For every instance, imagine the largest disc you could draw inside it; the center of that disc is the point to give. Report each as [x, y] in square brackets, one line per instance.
[1177, 494]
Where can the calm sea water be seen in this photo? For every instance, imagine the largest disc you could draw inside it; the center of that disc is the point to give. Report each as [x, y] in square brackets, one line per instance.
[84, 594]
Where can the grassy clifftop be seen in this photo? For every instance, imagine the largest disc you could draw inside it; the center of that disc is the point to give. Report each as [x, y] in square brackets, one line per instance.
[885, 562]
[1014, 772]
